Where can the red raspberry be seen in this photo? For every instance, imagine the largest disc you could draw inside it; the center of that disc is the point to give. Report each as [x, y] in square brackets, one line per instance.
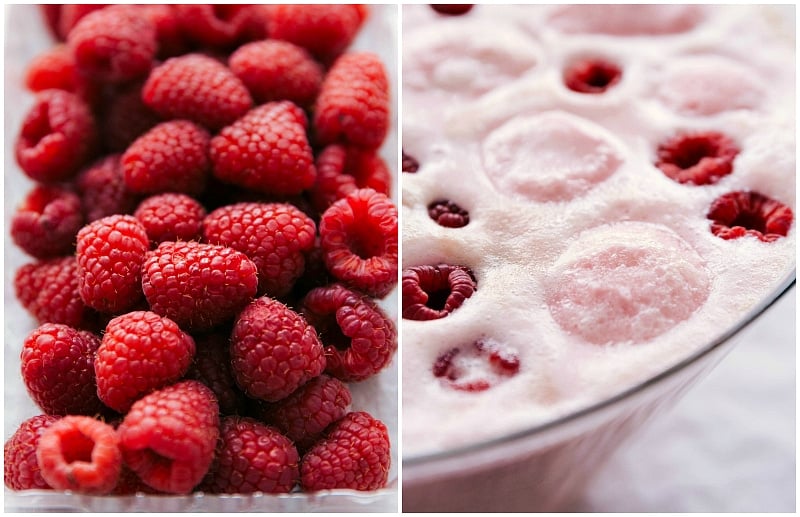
[171, 217]
[477, 367]
[57, 368]
[448, 214]
[212, 367]
[46, 222]
[358, 236]
[410, 164]
[306, 413]
[55, 69]
[198, 88]
[71, 14]
[110, 254]
[221, 25]
[266, 150]
[356, 454]
[103, 191]
[360, 340]
[433, 292]
[171, 157]
[274, 235]
[51, 14]
[58, 135]
[81, 454]
[324, 30]
[343, 169]
[126, 118]
[452, 9]
[169, 35]
[130, 484]
[199, 286]
[252, 457]
[592, 76]
[168, 437]
[353, 102]
[738, 214]
[275, 70]
[273, 350]
[700, 158]
[19, 454]
[140, 352]
[115, 44]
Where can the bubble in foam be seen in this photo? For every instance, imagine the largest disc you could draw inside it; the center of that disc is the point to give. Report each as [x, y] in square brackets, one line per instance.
[626, 282]
[627, 20]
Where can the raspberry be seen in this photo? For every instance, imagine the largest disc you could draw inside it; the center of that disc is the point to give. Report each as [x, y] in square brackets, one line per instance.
[592, 76]
[81, 454]
[273, 350]
[252, 457]
[57, 368]
[433, 292]
[71, 14]
[140, 352]
[169, 35]
[20, 467]
[103, 191]
[198, 88]
[51, 14]
[410, 164]
[126, 118]
[168, 437]
[58, 135]
[452, 9]
[353, 102]
[738, 214]
[360, 340]
[324, 30]
[212, 367]
[171, 157]
[274, 236]
[343, 169]
[448, 214]
[356, 454]
[110, 253]
[700, 158]
[477, 368]
[358, 236]
[55, 69]
[199, 286]
[266, 150]
[275, 70]
[46, 222]
[114, 44]
[171, 217]
[306, 413]
[220, 25]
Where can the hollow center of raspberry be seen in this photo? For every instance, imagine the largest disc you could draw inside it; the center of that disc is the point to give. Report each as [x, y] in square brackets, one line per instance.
[477, 367]
[37, 127]
[365, 241]
[751, 221]
[592, 76]
[331, 333]
[76, 446]
[691, 151]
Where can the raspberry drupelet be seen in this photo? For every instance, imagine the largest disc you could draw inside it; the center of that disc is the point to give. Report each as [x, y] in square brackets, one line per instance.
[171, 217]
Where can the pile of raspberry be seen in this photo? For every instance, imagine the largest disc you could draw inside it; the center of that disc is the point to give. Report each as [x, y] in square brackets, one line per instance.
[211, 232]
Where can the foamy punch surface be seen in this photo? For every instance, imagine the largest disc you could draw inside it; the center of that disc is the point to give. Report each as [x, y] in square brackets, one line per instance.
[594, 269]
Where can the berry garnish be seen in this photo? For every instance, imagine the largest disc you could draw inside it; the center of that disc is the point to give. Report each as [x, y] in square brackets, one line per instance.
[433, 292]
[740, 213]
[592, 76]
[700, 158]
[410, 164]
[448, 214]
[477, 367]
[452, 9]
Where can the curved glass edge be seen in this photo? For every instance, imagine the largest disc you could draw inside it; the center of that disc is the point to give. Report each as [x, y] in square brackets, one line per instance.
[783, 286]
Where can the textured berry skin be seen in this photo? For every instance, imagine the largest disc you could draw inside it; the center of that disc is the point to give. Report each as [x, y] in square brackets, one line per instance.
[266, 150]
[21, 470]
[171, 217]
[170, 157]
[356, 454]
[199, 286]
[273, 350]
[305, 414]
[169, 36]
[324, 30]
[71, 14]
[275, 70]
[448, 214]
[592, 76]
[81, 454]
[410, 164]
[46, 222]
[198, 88]
[252, 457]
[115, 44]
[110, 254]
[353, 102]
[168, 437]
[274, 235]
[358, 236]
[102, 189]
[57, 137]
[57, 368]
[699, 158]
[49, 291]
[55, 69]
[343, 169]
[219, 25]
[433, 292]
[360, 339]
[140, 352]
[212, 366]
[126, 118]
[739, 214]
